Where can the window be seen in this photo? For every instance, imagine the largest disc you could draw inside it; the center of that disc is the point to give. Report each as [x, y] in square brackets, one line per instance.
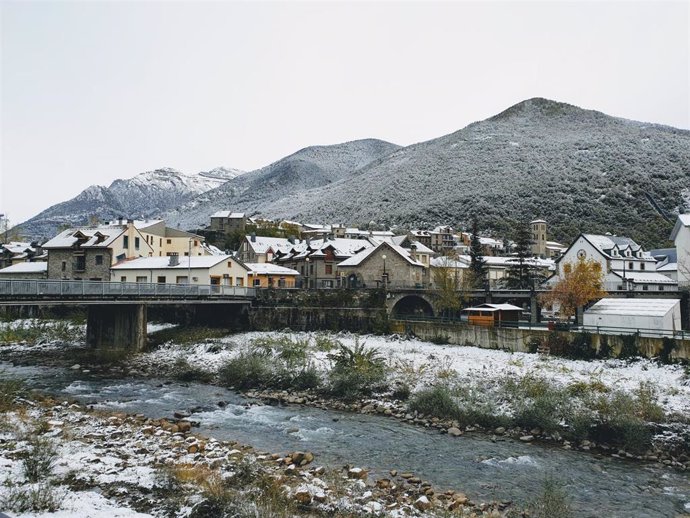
[160, 241]
[229, 264]
[142, 278]
[311, 269]
[186, 253]
[136, 243]
[661, 287]
[257, 282]
[99, 260]
[281, 282]
[181, 279]
[168, 241]
[239, 281]
[64, 266]
[125, 242]
[80, 263]
[301, 269]
[329, 269]
[642, 266]
[123, 278]
[631, 266]
[620, 287]
[161, 279]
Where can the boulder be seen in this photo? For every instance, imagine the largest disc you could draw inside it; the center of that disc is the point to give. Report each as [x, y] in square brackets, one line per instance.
[455, 432]
[422, 503]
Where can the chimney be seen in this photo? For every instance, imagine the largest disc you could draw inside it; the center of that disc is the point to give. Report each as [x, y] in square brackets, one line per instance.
[120, 220]
[174, 260]
[253, 237]
[413, 252]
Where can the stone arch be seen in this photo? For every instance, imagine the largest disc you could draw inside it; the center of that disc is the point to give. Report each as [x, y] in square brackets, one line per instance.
[412, 305]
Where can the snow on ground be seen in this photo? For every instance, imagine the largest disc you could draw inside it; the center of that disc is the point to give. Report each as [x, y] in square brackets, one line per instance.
[420, 364]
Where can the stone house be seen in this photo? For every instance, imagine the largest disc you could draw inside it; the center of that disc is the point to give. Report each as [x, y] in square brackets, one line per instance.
[89, 252]
[317, 259]
[385, 265]
[259, 249]
[226, 222]
[19, 252]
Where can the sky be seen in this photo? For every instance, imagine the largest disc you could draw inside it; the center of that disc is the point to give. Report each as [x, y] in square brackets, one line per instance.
[93, 91]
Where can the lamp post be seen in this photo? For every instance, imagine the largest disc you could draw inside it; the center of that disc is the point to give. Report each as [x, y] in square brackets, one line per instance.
[385, 275]
[189, 261]
[307, 260]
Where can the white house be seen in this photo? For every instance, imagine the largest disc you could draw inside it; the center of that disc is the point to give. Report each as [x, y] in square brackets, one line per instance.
[627, 316]
[37, 270]
[626, 266]
[681, 237]
[221, 270]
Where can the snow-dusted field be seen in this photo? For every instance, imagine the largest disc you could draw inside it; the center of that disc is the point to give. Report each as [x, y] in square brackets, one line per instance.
[421, 364]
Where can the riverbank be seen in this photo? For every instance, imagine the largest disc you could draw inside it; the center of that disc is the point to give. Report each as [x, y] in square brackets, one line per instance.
[190, 355]
[93, 464]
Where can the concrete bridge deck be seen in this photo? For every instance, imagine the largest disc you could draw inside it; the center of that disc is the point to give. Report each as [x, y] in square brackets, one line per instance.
[55, 292]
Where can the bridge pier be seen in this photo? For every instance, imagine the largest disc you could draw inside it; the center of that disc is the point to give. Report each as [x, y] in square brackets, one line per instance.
[117, 325]
[535, 310]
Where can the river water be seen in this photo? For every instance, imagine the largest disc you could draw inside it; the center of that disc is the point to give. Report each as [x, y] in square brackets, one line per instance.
[485, 470]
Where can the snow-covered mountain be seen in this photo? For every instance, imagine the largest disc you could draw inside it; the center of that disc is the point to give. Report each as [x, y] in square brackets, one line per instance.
[148, 194]
[581, 170]
[311, 167]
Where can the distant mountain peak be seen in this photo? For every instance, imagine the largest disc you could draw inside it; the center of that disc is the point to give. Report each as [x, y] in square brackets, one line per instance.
[540, 107]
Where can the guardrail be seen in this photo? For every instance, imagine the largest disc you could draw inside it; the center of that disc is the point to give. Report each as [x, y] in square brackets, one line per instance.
[47, 288]
[555, 326]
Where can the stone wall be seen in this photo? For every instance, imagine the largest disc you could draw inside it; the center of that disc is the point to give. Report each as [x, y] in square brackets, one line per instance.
[519, 340]
[92, 270]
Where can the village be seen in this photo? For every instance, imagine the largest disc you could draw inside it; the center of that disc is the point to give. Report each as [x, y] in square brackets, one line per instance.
[288, 255]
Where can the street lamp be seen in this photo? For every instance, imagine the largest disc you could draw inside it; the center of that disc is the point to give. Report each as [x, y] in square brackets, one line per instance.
[385, 275]
[189, 261]
[307, 260]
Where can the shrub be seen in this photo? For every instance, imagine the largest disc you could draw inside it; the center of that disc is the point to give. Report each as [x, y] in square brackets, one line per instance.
[552, 503]
[186, 335]
[544, 411]
[10, 390]
[668, 345]
[401, 392]
[605, 351]
[356, 371]
[558, 343]
[435, 402]
[581, 347]
[326, 343]
[439, 339]
[629, 348]
[183, 371]
[39, 461]
[36, 498]
[247, 370]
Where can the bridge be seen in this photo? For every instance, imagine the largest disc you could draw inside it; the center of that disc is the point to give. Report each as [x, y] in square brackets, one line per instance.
[117, 311]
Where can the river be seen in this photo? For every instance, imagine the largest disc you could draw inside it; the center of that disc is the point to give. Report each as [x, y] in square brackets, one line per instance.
[485, 470]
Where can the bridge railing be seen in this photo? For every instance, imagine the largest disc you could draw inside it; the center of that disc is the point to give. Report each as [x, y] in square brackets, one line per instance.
[557, 326]
[58, 288]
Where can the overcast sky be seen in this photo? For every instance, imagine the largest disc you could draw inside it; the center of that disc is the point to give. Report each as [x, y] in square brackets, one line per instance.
[95, 91]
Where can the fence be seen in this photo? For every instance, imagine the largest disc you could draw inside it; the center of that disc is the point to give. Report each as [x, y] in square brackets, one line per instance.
[557, 326]
[44, 288]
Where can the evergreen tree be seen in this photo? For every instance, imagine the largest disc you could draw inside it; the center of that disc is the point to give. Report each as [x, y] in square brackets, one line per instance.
[477, 263]
[521, 274]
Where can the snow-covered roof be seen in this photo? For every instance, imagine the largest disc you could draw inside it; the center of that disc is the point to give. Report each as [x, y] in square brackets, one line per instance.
[645, 277]
[228, 214]
[17, 247]
[260, 244]
[668, 267]
[447, 262]
[510, 261]
[605, 244]
[634, 307]
[95, 237]
[269, 269]
[35, 267]
[360, 257]
[185, 262]
[494, 307]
